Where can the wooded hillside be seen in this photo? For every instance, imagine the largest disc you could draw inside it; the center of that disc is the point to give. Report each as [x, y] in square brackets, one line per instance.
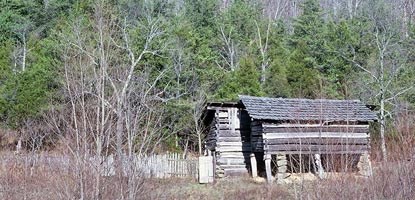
[134, 76]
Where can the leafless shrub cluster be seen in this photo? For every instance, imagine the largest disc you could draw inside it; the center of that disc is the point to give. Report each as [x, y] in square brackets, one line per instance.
[62, 177]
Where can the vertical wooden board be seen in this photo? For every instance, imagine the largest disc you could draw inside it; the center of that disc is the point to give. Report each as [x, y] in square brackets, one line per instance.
[253, 166]
[177, 160]
[205, 169]
[156, 166]
[268, 169]
[320, 169]
[168, 165]
[238, 116]
[165, 174]
[175, 164]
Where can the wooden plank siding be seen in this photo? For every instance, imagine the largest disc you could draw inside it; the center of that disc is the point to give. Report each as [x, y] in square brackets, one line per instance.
[292, 138]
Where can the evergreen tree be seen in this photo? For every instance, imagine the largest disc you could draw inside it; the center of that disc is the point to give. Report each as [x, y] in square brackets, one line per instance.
[307, 51]
[276, 84]
[302, 77]
[25, 94]
[244, 80]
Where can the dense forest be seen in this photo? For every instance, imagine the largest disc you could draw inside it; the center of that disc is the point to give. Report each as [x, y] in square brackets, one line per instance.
[134, 76]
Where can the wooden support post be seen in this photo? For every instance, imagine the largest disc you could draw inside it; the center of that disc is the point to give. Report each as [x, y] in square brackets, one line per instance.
[282, 168]
[320, 169]
[253, 166]
[267, 158]
[365, 165]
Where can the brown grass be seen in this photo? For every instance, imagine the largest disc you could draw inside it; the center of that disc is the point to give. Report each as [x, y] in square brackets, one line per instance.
[392, 180]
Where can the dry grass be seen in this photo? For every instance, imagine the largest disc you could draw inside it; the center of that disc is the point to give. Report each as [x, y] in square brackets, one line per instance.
[393, 180]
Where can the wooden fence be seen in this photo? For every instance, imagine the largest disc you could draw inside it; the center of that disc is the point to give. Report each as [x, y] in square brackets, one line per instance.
[152, 166]
[167, 165]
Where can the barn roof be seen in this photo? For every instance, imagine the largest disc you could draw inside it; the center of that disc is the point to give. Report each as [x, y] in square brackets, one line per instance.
[263, 108]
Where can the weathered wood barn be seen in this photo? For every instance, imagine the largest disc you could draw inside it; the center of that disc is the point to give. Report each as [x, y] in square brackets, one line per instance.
[248, 135]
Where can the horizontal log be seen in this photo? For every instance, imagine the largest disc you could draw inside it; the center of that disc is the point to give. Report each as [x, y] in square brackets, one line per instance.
[256, 133]
[223, 121]
[314, 135]
[231, 133]
[259, 146]
[236, 172]
[233, 149]
[223, 114]
[315, 129]
[256, 127]
[233, 155]
[322, 141]
[256, 123]
[232, 161]
[233, 166]
[223, 126]
[234, 139]
[316, 148]
[224, 144]
[315, 152]
[266, 125]
[253, 137]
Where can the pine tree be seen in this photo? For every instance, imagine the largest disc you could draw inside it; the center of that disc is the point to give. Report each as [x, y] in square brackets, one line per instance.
[307, 51]
[244, 80]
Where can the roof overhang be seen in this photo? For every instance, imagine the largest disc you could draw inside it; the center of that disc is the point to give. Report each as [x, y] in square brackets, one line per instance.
[214, 105]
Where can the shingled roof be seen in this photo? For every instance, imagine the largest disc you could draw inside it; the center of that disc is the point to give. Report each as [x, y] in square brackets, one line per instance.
[263, 108]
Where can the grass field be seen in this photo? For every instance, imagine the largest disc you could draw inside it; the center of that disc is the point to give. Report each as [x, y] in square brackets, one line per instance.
[391, 180]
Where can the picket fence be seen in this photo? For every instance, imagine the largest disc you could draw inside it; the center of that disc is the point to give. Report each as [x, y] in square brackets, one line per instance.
[151, 166]
[154, 166]
[167, 165]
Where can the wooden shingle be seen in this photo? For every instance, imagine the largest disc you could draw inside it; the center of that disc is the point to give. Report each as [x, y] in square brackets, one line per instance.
[264, 108]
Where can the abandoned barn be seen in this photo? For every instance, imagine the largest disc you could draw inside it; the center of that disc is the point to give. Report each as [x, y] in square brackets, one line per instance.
[278, 136]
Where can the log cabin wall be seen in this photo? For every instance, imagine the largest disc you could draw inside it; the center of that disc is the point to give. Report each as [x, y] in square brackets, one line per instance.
[308, 126]
[315, 138]
[257, 142]
[229, 140]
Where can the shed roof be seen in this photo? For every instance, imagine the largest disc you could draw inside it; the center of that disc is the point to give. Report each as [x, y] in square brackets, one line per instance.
[264, 108]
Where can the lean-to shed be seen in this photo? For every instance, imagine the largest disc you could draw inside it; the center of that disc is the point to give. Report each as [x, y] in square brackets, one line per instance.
[242, 135]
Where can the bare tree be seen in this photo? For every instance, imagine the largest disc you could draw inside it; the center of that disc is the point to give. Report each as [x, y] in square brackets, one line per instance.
[390, 61]
[263, 48]
[229, 49]
[197, 116]
[112, 100]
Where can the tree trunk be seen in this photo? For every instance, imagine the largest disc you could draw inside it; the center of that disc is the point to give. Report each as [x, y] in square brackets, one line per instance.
[24, 53]
[199, 140]
[382, 129]
[118, 142]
